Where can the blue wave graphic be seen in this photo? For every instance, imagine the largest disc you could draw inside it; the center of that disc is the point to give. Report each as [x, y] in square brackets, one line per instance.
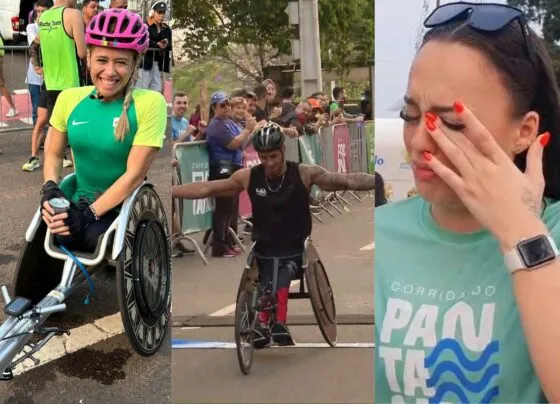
[466, 363]
[453, 388]
[490, 394]
[474, 387]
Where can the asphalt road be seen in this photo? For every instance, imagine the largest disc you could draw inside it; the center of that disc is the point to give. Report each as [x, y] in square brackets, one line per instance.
[108, 368]
[203, 298]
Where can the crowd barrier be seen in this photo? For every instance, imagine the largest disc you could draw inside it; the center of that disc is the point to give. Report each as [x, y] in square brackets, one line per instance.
[344, 148]
[15, 63]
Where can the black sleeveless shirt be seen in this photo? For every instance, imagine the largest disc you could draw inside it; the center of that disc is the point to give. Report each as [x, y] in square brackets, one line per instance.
[281, 219]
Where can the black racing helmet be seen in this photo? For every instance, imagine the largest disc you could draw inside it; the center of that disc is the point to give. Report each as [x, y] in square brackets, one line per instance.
[268, 138]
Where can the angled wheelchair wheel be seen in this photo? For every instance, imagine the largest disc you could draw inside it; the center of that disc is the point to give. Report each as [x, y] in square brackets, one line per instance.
[144, 274]
[321, 296]
[37, 273]
[245, 318]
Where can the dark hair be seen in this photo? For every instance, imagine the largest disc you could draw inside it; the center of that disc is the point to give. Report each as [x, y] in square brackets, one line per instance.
[238, 92]
[317, 95]
[287, 92]
[179, 94]
[532, 88]
[86, 2]
[44, 3]
[337, 91]
[260, 91]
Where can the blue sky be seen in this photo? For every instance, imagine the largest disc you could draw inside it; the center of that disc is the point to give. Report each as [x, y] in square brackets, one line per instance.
[397, 23]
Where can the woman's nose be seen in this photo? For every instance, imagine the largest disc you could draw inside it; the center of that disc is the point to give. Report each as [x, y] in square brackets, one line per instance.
[421, 139]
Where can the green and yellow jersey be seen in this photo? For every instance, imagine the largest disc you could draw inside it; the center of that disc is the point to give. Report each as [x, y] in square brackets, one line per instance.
[99, 158]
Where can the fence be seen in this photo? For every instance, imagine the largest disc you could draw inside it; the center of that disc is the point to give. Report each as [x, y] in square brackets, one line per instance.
[15, 64]
[339, 148]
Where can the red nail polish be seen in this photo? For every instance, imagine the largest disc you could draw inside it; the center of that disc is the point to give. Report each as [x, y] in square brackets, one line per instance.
[431, 116]
[545, 138]
[430, 125]
[427, 156]
[459, 107]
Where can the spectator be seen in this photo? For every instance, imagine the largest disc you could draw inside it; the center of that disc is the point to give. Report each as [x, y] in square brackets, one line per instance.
[251, 99]
[61, 35]
[225, 140]
[287, 95]
[37, 91]
[270, 91]
[323, 99]
[89, 10]
[182, 131]
[157, 61]
[260, 107]
[123, 4]
[295, 122]
[339, 96]
[238, 92]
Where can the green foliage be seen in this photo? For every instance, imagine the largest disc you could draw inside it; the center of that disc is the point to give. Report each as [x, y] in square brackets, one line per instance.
[218, 75]
[215, 27]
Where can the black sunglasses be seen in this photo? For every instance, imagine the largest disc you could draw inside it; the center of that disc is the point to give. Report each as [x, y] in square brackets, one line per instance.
[485, 17]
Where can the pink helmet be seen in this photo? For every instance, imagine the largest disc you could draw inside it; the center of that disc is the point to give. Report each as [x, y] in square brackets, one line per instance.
[118, 28]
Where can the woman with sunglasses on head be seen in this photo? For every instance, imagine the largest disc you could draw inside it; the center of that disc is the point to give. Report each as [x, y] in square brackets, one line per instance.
[115, 132]
[467, 275]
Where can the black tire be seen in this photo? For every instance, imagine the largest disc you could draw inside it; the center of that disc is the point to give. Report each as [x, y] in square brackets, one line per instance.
[244, 324]
[322, 300]
[144, 274]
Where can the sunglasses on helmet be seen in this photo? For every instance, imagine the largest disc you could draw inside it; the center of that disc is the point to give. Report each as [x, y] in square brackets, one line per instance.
[485, 17]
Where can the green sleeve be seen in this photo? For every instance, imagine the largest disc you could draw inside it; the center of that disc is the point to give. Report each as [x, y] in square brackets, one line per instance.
[151, 109]
[334, 106]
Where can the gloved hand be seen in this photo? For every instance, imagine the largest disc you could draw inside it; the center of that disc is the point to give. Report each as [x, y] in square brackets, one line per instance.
[80, 216]
[49, 191]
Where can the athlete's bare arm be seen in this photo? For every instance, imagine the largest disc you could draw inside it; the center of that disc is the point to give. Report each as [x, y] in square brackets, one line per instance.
[328, 181]
[232, 186]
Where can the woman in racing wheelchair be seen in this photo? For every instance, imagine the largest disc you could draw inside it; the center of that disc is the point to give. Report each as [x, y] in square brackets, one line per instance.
[113, 129]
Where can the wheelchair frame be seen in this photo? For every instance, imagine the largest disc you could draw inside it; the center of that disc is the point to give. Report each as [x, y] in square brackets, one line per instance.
[15, 332]
[312, 274]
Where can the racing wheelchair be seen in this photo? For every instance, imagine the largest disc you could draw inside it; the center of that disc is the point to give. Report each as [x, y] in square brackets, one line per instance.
[312, 275]
[137, 245]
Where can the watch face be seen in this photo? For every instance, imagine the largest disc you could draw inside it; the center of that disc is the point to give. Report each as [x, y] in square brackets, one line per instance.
[536, 251]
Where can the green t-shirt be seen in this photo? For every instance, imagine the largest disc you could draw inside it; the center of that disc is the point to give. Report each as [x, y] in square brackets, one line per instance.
[334, 106]
[447, 327]
[99, 158]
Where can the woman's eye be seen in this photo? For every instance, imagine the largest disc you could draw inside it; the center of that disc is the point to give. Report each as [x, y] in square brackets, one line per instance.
[405, 116]
[457, 127]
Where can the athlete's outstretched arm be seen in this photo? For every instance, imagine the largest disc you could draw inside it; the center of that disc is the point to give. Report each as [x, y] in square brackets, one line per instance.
[329, 181]
[231, 186]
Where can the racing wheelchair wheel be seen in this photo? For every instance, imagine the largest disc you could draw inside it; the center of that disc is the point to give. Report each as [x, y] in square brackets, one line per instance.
[321, 295]
[144, 274]
[245, 318]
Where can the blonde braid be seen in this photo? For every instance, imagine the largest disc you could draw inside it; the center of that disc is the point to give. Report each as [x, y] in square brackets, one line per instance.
[123, 126]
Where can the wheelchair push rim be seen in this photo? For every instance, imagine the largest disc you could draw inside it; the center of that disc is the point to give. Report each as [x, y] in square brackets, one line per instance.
[245, 318]
[321, 296]
[144, 274]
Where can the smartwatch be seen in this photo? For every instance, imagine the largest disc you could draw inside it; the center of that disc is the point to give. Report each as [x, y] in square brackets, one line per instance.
[531, 254]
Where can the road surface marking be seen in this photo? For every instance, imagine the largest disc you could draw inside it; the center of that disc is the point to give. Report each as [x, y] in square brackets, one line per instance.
[368, 247]
[79, 338]
[187, 344]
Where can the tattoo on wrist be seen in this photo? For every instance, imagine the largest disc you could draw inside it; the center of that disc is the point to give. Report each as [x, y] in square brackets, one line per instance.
[529, 201]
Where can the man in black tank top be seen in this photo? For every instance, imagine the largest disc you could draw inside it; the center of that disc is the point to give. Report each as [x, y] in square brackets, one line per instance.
[279, 192]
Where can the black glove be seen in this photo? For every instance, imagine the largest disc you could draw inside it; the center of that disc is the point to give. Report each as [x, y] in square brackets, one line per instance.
[79, 218]
[49, 191]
